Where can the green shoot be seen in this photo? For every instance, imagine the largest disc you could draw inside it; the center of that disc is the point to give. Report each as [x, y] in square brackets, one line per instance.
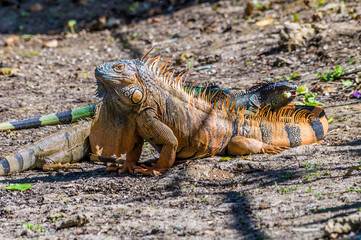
[71, 24]
[295, 18]
[310, 100]
[330, 76]
[31, 227]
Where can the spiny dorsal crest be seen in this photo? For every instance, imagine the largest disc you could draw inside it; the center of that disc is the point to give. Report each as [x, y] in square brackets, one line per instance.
[283, 115]
[251, 89]
[167, 75]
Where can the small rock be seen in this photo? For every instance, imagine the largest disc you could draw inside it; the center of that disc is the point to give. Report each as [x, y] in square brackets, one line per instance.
[37, 7]
[295, 34]
[338, 228]
[12, 40]
[264, 205]
[333, 235]
[75, 221]
[51, 44]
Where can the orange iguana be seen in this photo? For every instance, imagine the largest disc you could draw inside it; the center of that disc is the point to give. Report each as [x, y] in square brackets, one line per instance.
[144, 102]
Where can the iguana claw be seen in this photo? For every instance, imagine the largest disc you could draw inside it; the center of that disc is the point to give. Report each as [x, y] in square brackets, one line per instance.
[154, 170]
[274, 149]
[127, 167]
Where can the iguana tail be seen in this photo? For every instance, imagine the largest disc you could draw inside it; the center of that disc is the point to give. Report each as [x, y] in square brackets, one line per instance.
[318, 121]
[67, 146]
[273, 132]
[291, 126]
[52, 119]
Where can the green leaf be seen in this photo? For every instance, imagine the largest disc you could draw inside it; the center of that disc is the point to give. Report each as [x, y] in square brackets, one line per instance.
[347, 83]
[24, 13]
[71, 23]
[331, 120]
[310, 100]
[338, 72]
[302, 90]
[19, 187]
[295, 18]
[224, 159]
[330, 76]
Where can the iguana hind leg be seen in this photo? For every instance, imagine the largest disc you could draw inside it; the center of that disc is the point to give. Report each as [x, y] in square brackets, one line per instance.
[57, 159]
[58, 166]
[241, 145]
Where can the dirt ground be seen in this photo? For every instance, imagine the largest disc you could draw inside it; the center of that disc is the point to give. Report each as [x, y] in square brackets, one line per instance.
[302, 193]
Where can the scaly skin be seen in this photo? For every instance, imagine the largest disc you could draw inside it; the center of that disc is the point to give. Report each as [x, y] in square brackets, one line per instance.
[276, 95]
[51, 119]
[143, 102]
[51, 152]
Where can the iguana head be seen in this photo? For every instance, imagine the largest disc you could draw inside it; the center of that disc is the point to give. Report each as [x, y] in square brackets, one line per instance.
[277, 94]
[120, 81]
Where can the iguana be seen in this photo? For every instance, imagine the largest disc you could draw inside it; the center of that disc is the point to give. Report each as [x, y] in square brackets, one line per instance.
[276, 95]
[50, 153]
[142, 102]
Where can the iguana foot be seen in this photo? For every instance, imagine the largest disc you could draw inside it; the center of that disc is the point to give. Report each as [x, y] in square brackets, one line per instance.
[112, 168]
[127, 167]
[57, 166]
[274, 149]
[154, 170]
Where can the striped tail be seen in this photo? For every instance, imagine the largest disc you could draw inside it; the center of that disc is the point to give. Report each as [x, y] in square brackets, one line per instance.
[67, 146]
[319, 122]
[291, 126]
[52, 119]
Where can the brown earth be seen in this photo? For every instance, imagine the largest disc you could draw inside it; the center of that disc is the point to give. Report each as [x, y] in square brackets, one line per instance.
[291, 195]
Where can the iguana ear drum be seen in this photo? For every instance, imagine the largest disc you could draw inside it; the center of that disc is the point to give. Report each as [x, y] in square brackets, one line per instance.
[137, 96]
[134, 94]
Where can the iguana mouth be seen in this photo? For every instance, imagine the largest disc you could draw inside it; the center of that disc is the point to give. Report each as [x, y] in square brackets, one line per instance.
[294, 93]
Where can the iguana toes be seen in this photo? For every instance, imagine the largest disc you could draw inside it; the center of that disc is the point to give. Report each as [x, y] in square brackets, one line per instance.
[144, 102]
[276, 95]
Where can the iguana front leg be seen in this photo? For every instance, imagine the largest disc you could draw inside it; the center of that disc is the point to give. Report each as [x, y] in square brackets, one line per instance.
[160, 136]
[132, 159]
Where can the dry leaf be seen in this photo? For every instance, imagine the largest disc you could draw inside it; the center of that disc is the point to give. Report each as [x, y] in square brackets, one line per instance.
[8, 71]
[328, 89]
[185, 56]
[264, 22]
[13, 39]
[155, 19]
[51, 44]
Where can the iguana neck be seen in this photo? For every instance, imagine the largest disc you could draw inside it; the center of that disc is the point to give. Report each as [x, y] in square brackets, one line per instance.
[249, 100]
[115, 112]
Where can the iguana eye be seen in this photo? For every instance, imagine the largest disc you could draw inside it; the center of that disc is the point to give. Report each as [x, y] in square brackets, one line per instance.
[119, 67]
